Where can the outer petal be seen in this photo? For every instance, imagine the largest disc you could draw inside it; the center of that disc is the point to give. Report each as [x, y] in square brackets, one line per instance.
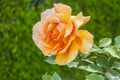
[36, 34]
[85, 41]
[65, 10]
[40, 41]
[37, 37]
[80, 20]
[47, 17]
[68, 56]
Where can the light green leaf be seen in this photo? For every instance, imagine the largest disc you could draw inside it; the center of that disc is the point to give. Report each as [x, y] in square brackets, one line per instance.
[84, 55]
[46, 77]
[102, 61]
[96, 49]
[56, 76]
[83, 67]
[105, 42]
[87, 60]
[113, 51]
[117, 41]
[112, 75]
[116, 65]
[50, 60]
[95, 77]
[72, 64]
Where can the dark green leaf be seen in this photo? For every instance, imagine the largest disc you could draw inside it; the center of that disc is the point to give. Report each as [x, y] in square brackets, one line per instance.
[94, 68]
[112, 75]
[91, 68]
[102, 61]
[116, 65]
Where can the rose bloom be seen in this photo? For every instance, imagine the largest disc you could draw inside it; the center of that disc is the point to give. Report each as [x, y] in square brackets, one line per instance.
[57, 34]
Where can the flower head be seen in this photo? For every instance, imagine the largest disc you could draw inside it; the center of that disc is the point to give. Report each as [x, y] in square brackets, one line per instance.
[57, 34]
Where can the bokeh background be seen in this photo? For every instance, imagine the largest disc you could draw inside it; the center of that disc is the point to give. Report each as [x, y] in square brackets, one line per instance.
[20, 59]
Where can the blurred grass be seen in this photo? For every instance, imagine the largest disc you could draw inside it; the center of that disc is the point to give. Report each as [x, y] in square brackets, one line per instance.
[20, 59]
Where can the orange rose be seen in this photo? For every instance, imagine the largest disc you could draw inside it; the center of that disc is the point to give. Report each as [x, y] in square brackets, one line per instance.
[57, 34]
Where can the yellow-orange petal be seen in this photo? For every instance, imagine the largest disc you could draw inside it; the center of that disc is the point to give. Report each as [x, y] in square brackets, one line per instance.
[65, 10]
[69, 29]
[85, 41]
[80, 20]
[68, 56]
[61, 27]
[48, 51]
[72, 37]
[48, 48]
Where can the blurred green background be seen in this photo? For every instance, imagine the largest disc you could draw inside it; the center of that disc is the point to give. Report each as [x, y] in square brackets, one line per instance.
[20, 59]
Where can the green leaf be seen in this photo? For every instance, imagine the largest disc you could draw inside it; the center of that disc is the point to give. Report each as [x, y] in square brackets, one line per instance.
[102, 61]
[84, 55]
[116, 65]
[113, 51]
[95, 77]
[117, 41]
[96, 49]
[50, 60]
[91, 68]
[83, 67]
[112, 75]
[94, 68]
[56, 76]
[87, 60]
[72, 64]
[105, 42]
[46, 77]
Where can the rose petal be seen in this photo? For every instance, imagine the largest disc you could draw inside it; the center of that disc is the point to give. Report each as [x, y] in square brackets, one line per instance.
[36, 33]
[68, 56]
[48, 51]
[37, 36]
[69, 29]
[72, 37]
[51, 27]
[48, 48]
[65, 10]
[80, 20]
[52, 49]
[47, 17]
[85, 41]
[61, 27]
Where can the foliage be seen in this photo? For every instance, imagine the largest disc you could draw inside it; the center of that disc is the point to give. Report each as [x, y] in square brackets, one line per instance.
[20, 59]
[55, 76]
[102, 66]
